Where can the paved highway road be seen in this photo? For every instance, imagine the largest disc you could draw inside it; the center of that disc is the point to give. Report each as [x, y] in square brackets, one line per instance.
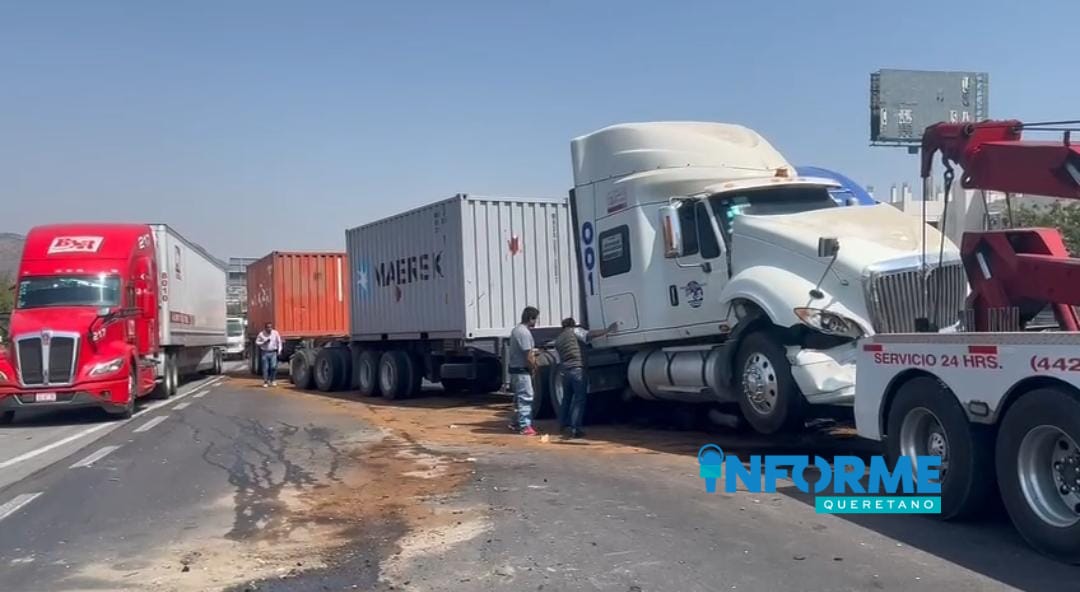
[229, 486]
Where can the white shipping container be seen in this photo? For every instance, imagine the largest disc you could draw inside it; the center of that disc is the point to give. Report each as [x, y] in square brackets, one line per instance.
[192, 285]
[462, 268]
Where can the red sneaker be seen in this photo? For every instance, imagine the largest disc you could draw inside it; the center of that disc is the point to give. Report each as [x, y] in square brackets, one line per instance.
[530, 431]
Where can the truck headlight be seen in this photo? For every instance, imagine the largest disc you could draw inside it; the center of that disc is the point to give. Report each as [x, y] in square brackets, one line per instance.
[106, 368]
[829, 323]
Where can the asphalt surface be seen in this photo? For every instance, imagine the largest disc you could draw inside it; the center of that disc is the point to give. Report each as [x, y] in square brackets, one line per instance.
[165, 501]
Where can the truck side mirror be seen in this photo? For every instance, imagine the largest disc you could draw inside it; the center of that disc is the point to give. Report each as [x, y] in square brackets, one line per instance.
[827, 247]
[672, 231]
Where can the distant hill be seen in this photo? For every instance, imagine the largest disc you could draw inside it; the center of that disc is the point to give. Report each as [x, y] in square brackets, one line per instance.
[11, 246]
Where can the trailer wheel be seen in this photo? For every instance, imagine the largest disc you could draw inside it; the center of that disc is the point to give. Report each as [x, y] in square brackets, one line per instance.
[253, 361]
[768, 396]
[926, 420]
[174, 373]
[327, 370]
[345, 365]
[367, 373]
[396, 375]
[1038, 467]
[300, 370]
[541, 379]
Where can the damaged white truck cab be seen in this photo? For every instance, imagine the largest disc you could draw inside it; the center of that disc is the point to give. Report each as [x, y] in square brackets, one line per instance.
[732, 280]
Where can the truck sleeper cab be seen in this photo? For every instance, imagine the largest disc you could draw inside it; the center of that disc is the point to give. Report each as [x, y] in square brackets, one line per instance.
[88, 328]
[730, 279]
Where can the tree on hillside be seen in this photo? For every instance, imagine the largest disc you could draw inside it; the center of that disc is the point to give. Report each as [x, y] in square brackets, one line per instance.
[1064, 216]
[7, 295]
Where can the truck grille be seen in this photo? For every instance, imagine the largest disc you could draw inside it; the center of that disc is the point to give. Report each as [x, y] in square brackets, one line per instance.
[47, 359]
[895, 296]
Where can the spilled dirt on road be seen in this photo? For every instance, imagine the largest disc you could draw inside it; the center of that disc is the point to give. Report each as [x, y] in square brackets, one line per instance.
[304, 500]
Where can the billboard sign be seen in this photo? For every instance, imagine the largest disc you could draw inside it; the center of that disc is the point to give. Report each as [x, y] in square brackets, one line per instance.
[903, 103]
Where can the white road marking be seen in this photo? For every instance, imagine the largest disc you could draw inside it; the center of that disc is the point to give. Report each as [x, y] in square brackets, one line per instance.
[17, 503]
[182, 405]
[199, 394]
[95, 428]
[150, 424]
[93, 458]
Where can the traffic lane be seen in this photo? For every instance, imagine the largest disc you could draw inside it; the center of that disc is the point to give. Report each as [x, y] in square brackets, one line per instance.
[198, 486]
[599, 523]
[40, 437]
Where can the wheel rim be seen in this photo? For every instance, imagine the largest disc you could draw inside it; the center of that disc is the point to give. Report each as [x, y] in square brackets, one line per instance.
[1048, 465]
[921, 434]
[387, 377]
[760, 385]
[323, 368]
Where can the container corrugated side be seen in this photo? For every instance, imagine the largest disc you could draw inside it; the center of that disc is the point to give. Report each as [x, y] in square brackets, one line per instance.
[462, 268]
[305, 295]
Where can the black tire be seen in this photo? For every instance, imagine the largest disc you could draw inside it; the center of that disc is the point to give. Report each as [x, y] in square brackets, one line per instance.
[219, 363]
[1054, 413]
[166, 388]
[781, 407]
[541, 379]
[396, 375]
[127, 410]
[327, 370]
[253, 362]
[344, 368]
[174, 368]
[367, 373]
[300, 370]
[964, 486]
[7, 418]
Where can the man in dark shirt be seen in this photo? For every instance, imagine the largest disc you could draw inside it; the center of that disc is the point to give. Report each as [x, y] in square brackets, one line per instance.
[571, 357]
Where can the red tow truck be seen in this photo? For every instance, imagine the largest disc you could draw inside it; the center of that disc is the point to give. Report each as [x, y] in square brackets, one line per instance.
[107, 313]
[998, 402]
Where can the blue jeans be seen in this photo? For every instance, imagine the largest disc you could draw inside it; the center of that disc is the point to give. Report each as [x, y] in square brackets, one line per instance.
[523, 398]
[269, 366]
[573, 401]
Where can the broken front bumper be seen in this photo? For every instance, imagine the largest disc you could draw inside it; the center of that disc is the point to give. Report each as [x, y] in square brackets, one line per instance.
[825, 377]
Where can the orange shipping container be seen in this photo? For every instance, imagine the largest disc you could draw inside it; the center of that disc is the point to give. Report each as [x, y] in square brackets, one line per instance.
[305, 295]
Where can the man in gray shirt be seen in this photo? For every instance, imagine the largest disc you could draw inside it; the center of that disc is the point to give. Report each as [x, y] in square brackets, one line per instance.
[520, 362]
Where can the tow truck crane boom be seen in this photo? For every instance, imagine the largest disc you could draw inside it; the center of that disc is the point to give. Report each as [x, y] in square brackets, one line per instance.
[1021, 269]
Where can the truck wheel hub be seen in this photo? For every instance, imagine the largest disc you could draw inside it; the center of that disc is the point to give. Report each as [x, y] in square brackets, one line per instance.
[759, 383]
[1048, 468]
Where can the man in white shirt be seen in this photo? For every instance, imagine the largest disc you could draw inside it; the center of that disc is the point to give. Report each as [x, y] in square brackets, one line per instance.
[269, 343]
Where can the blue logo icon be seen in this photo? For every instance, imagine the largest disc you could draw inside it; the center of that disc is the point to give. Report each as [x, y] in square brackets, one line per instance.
[363, 278]
[918, 480]
[711, 459]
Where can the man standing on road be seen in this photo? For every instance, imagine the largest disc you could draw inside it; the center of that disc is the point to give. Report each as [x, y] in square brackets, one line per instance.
[521, 362]
[269, 343]
[568, 346]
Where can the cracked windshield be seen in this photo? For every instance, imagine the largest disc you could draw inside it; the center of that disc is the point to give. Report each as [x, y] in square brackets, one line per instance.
[349, 296]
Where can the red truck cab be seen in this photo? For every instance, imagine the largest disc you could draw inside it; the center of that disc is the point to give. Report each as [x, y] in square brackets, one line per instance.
[83, 330]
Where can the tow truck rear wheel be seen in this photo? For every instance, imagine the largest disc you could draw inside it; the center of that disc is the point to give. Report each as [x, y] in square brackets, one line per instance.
[169, 378]
[925, 419]
[1038, 467]
[768, 396]
[397, 375]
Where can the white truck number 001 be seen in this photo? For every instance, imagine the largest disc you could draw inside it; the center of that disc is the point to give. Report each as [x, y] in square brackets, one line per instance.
[589, 255]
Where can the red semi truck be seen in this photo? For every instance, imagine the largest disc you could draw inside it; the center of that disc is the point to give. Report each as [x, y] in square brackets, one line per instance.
[107, 313]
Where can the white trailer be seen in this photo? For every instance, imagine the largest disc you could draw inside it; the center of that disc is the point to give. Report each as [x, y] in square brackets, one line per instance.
[993, 406]
[191, 321]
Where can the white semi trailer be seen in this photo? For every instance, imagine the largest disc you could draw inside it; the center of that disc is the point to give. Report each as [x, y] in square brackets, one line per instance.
[721, 269]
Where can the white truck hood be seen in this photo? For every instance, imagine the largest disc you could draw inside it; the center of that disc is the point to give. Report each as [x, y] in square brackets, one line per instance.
[867, 234]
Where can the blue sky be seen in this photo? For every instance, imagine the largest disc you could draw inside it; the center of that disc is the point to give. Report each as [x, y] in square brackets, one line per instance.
[252, 126]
